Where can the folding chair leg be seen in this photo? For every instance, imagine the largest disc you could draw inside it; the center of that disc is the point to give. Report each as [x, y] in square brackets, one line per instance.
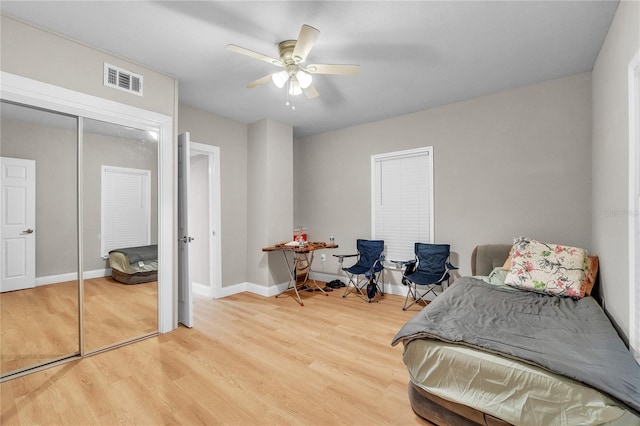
[354, 282]
[351, 283]
[347, 290]
[413, 292]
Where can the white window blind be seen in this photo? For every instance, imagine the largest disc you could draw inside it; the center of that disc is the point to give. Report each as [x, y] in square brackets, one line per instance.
[402, 197]
[126, 200]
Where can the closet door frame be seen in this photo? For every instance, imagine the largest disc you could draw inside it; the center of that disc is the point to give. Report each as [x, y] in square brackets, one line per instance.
[34, 93]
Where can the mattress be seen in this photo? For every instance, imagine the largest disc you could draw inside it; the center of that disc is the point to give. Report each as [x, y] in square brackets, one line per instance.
[134, 265]
[511, 390]
[120, 262]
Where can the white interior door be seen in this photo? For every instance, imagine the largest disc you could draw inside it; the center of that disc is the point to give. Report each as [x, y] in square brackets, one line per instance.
[18, 220]
[185, 301]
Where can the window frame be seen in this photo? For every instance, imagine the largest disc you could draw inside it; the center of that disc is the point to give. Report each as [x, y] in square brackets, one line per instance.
[409, 153]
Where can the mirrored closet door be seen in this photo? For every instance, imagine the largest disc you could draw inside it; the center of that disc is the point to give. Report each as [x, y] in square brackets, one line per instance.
[120, 199]
[39, 248]
[69, 198]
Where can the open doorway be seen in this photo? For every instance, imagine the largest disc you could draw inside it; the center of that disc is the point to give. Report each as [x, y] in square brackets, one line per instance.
[198, 224]
[204, 220]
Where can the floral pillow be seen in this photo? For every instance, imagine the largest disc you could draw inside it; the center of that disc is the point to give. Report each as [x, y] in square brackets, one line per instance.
[547, 268]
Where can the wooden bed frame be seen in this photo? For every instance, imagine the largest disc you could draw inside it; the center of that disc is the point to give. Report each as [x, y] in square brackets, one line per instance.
[440, 411]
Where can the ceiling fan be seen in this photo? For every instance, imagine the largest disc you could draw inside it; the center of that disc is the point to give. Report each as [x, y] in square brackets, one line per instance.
[295, 73]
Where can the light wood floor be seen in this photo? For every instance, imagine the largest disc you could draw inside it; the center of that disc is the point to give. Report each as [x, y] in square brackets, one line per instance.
[115, 312]
[37, 325]
[249, 360]
[41, 324]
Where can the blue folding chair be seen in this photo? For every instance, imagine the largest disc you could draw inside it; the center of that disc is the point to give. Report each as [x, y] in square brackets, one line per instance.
[366, 271]
[429, 270]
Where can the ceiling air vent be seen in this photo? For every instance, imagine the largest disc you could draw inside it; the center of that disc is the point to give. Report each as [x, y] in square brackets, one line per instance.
[122, 79]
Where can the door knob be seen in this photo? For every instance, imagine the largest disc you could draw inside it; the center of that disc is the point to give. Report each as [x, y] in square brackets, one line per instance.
[28, 231]
[187, 239]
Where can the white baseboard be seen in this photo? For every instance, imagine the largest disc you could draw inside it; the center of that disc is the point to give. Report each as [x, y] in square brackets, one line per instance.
[258, 289]
[230, 290]
[273, 290]
[321, 276]
[71, 276]
[239, 288]
[201, 289]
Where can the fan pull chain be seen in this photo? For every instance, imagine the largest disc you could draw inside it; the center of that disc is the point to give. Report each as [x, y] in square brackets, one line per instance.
[288, 89]
[292, 102]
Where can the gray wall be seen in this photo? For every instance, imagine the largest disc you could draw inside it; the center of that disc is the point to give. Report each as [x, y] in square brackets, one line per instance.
[611, 159]
[270, 199]
[231, 137]
[40, 55]
[33, 53]
[55, 151]
[509, 164]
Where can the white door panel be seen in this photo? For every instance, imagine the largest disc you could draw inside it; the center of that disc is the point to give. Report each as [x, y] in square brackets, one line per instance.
[17, 224]
[185, 301]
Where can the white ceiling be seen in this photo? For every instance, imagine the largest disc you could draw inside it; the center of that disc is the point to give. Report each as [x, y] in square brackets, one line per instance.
[413, 55]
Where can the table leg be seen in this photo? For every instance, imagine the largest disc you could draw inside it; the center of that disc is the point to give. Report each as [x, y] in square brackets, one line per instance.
[293, 278]
[291, 268]
[310, 273]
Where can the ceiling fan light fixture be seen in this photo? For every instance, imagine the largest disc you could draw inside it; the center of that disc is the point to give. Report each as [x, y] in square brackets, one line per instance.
[295, 77]
[280, 78]
[294, 87]
[304, 79]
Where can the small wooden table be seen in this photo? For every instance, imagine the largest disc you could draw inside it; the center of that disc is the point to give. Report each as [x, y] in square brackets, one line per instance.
[301, 259]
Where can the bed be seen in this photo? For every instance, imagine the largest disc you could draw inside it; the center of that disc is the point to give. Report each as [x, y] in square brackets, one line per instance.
[473, 360]
[134, 265]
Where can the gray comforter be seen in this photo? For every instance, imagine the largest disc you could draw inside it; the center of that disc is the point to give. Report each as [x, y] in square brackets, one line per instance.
[139, 254]
[570, 337]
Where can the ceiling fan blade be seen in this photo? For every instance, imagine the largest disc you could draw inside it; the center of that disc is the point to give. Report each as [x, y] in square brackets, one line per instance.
[255, 55]
[335, 69]
[306, 39]
[311, 92]
[258, 82]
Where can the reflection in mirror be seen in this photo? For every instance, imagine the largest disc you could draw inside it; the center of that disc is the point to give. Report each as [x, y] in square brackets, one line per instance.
[39, 247]
[120, 231]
